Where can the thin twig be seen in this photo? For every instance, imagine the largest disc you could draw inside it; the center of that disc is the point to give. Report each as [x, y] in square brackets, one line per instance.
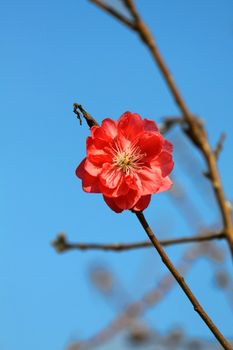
[219, 145]
[179, 278]
[132, 9]
[169, 122]
[78, 110]
[194, 126]
[61, 244]
[114, 13]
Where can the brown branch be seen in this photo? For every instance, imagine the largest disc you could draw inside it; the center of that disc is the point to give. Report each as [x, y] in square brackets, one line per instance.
[61, 244]
[169, 122]
[194, 127]
[114, 13]
[132, 9]
[180, 280]
[219, 145]
[79, 110]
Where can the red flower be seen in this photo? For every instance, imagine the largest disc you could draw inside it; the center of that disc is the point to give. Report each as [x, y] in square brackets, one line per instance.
[127, 160]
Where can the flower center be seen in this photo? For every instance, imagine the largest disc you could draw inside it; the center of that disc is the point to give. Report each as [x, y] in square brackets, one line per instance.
[127, 160]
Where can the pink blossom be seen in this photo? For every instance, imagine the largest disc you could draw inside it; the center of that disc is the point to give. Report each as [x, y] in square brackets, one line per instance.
[127, 161]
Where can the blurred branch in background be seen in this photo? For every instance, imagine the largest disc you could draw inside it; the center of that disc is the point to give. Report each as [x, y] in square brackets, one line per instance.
[184, 203]
[138, 308]
[137, 332]
[109, 286]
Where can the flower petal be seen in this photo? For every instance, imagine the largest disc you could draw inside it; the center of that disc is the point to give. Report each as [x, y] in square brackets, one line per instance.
[99, 133]
[80, 171]
[91, 168]
[163, 162]
[142, 203]
[150, 125]
[111, 203]
[89, 183]
[166, 185]
[127, 201]
[110, 127]
[150, 144]
[167, 146]
[121, 189]
[110, 176]
[151, 180]
[133, 181]
[131, 125]
[97, 155]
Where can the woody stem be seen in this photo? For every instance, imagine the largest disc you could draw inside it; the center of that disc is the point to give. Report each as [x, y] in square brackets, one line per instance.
[197, 307]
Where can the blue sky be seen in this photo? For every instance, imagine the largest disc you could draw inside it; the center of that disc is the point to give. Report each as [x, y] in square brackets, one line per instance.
[55, 53]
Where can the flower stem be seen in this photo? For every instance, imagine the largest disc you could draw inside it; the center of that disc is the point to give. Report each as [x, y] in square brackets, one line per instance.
[197, 307]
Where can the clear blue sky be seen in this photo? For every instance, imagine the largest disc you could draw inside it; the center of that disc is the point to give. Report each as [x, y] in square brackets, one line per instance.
[54, 53]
